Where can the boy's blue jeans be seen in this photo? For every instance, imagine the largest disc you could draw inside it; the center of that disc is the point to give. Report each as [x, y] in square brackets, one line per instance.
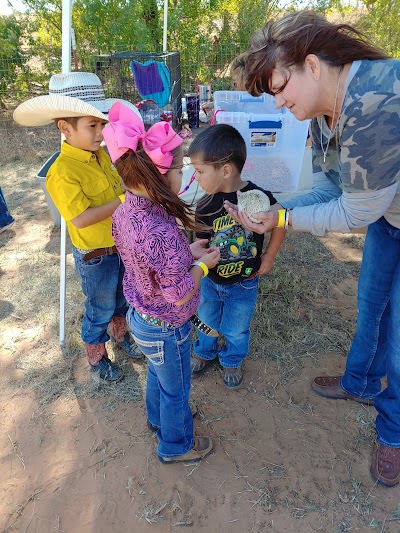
[229, 309]
[5, 216]
[101, 280]
[375, 351]
[167, 350]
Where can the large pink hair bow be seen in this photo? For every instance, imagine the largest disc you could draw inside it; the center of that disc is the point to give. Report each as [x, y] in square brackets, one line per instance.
[126, 129]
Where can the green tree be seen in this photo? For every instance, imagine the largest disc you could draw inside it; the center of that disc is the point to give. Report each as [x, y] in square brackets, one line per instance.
[252, 16]
[382, 23]
[10, 47]
[207, 33]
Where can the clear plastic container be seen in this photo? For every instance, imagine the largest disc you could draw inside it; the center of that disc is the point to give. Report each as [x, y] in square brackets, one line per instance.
[275, 139]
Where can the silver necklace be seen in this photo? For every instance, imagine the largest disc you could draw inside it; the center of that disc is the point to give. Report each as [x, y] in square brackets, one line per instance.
[331, 129]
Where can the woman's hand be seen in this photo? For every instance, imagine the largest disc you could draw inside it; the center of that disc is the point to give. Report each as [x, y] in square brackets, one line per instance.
[198, 248]
[268, 219]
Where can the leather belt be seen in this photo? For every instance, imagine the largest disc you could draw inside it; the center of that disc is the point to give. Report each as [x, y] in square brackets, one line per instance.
[99, 252]
[202, 326]
[195, 320]
[153, 320]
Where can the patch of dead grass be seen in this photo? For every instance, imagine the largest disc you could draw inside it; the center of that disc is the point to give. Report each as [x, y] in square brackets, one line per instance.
[287, 325]
[30, 308]
[288, 328]
[27, 144]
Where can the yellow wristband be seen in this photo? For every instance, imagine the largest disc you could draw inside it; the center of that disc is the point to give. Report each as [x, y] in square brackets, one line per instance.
[122, 198]
[203, 267]
[281, 218]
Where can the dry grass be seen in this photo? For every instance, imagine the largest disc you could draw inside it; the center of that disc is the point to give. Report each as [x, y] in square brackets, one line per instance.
[296, 319]
[286, 314]
[42, 366]
[30, 145]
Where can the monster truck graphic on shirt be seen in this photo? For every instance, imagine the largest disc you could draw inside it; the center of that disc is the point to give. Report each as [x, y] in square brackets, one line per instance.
[235, 244]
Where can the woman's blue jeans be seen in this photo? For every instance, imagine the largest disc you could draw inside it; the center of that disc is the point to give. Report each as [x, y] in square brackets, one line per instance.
[101, 281]
[229, 309]
[167, 350]
[5, 216]
[375, 351]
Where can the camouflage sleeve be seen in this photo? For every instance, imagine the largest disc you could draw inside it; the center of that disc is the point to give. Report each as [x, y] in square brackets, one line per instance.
[323, 190]
[363, 156]
[370, 143]
[351, 211]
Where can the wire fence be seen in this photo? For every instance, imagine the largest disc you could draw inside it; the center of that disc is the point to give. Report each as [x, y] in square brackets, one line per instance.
[28, 76]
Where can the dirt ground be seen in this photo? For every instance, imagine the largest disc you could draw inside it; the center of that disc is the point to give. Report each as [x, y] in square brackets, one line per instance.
[284, 460]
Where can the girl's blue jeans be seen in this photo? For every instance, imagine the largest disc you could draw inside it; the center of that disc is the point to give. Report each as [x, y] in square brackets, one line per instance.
[229, 309]
[167, 350]
[5, 216]
[101, 281]
[375, 351]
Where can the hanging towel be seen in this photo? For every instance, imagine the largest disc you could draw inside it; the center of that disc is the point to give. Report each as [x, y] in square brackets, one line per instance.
[152, 80]
[147, 77]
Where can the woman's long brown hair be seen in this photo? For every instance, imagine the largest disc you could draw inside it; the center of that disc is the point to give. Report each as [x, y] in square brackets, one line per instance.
[287, 41]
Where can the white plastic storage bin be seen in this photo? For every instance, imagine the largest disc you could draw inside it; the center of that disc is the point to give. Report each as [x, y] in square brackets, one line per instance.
[41, 177]
[275, 139]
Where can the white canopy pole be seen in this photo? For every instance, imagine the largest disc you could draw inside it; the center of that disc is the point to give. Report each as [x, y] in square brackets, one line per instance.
[165, 25]
[66, 35]
[65, 68]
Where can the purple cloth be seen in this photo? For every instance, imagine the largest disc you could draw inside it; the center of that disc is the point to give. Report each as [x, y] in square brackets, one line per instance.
[147, 78]
[157, 259]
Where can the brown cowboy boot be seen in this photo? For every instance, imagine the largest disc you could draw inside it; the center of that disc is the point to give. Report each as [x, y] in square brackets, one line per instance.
[120, 335]
[385, 465]
[118, 328]
[101, 364]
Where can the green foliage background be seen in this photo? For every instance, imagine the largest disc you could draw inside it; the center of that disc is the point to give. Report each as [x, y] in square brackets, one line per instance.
[207, 33]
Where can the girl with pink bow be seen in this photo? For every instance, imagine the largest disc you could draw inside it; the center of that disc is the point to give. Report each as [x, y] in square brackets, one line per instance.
[162, 273]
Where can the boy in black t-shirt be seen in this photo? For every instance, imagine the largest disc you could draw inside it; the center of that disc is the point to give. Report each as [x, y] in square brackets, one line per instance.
[229, 292]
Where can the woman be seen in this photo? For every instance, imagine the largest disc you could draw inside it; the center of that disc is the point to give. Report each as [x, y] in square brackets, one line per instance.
[237, 72]
[329, 73]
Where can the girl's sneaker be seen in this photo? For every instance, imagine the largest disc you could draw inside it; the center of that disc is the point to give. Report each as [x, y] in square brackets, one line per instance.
[233, 378]
[197, 365]
[7, 226]
[202, 447]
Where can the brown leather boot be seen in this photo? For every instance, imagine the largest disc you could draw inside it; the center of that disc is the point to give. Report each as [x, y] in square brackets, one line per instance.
[385, 465]
[118, 328]
[329, 387]
[120, 335]
[95, 352]
[202, 446]
[101, 364]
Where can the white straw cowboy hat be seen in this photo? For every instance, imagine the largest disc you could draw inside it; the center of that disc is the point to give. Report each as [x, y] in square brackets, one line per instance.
[76, 94]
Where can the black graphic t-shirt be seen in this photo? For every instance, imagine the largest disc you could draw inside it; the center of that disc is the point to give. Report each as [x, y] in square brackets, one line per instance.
[240, 248]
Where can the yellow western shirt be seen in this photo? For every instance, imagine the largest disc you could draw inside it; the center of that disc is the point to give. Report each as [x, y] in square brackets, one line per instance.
[77, 180]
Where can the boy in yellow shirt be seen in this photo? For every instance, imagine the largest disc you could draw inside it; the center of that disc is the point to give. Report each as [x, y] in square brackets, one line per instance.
[85, 187]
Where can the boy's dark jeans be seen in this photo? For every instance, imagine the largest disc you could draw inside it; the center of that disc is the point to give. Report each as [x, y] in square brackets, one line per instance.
[101, 281]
